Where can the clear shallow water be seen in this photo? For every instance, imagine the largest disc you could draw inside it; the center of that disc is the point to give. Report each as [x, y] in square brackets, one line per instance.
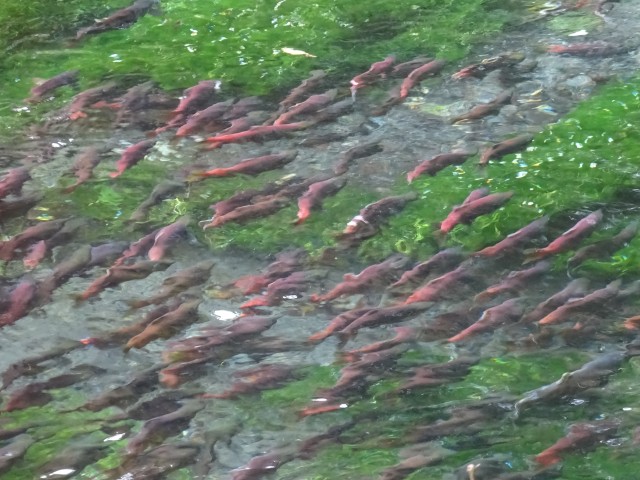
[219, 435]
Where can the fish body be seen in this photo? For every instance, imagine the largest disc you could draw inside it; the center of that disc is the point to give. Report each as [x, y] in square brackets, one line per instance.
[82, 100]
[359, 151]
[371, 276]
[132, 155]
[160, 191]
[203, 118]
[469, 211]
[588, 303]
[19, 300]
[384, 316]
[254, 166]
[194, 97]
[437, 163]
[259, 131]
[508, 311]
[404, 68]
[246, 212]
[83, 167]
[437, 287]
[376, 70]
[166, 237]
[513, 241]
[162, 325]
[311, 104]
[374, 214]
[482, 110]
[118, 274]
[580, 436]
[307, 85]
[576, 288]
[121, 18]
[416, 75]
[65, 78]
[604, 247]
[479, 70]
[13, 181]
[441, 261]
[515, 281]
[501, 149]
[315, 194]
[339, 323]
[586, 49]
[571, 237]
[40, 231]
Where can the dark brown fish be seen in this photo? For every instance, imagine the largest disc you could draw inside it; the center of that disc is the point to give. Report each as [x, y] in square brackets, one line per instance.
[437, 287]
[121, 273]
[514, 240]
[416, 75]
[178, 282]
[580, 436]
[311, 104]
[132, 155]
[338, 323]
[159, 192]
[243, 107]
[262, 465]
[40, 231]
[14, 451]
[194, 97]
[204, 118]
[588, 302]
[484, 109]
[64, 78]
[384, 316]
[83, 167]
[315, 194]
[135, 99]
[286, 263]
[508, 311]
[437, 163]
[165, 325]
[253, 166]
[374, 275]
[163, 426]
[515, 281]
[306, 86]
[605, 247]
[440, 262]
[242, 124]
[19, 300]
[240, 214]
[293, 284]
[479, 70]
[259, 131]
[376, 213]
[571, 237]
[376, 70]
[166, 237]
[263, 377]
[587, 49]
[470, 210]
[359, 151]
[577, 288]
[123, 18]
[501, 149]
[84, 99]
[404, 68]
[13, 181]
